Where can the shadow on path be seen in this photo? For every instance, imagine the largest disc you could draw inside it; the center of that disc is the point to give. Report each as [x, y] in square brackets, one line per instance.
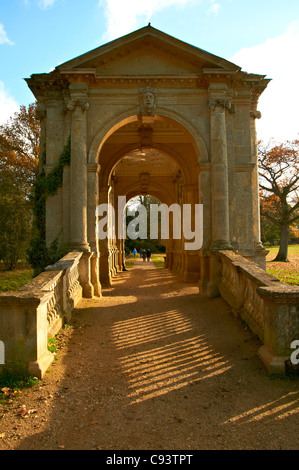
[156, 365]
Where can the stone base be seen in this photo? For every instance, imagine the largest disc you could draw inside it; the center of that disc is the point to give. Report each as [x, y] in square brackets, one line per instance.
[274, 364]
[88, 290]
[39, 368]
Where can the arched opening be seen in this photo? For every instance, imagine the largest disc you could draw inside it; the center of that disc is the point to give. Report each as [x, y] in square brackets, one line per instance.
[143, 227]
[157, 158]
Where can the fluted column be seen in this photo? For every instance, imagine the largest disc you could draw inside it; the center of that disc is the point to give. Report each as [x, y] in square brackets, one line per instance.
[192, 259]
[218, 105]
[104, 247]
[54, 138]
[255, 181]
[259, 250]
[78, 104]
[41, 114]
[93, 201]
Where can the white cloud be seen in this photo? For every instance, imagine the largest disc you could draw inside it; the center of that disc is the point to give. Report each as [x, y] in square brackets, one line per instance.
[123, 16]
[278, 59]
[8, 106]
[46, 3]
[3, 36]
[215, 6]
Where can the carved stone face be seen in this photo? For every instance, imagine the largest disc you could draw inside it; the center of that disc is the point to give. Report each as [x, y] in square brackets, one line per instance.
[148, 102]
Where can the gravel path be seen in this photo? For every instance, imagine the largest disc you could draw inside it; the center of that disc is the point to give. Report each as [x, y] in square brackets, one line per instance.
[154, 365]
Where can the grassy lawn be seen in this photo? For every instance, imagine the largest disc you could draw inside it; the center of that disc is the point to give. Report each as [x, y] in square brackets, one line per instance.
[13, 280]
[285, 272]
[130, 262]
[158, 260]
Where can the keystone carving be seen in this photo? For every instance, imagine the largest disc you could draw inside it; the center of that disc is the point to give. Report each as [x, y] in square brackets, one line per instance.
[148, 101]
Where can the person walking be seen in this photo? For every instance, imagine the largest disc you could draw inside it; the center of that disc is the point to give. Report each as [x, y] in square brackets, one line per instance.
[134, 253]
[148, 254]
[144, 255]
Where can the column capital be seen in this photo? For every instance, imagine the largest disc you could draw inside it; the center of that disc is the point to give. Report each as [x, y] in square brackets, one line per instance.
[78, 97]
[72, 102]
[221, 103]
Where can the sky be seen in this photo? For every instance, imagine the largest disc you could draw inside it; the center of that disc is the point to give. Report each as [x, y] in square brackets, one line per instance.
[261, 36]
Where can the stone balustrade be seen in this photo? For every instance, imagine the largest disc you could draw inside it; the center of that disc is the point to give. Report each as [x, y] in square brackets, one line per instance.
[268, 306]
[36, 312]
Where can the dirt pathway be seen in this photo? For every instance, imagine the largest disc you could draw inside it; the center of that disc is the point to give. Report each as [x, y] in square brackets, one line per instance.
[154, 365]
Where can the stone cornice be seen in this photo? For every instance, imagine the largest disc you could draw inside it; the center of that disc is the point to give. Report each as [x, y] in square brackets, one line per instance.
[42, 84]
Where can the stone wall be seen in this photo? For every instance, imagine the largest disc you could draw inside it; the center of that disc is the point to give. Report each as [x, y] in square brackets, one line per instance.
[36, 312]
[268, 306]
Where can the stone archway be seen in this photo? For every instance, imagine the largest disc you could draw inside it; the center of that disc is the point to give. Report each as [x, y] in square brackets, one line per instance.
[159, 158]
[151, 89]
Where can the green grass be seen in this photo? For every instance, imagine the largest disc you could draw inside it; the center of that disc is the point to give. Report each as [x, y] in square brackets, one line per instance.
[286, 272]
[130, 263]
[14, 280]
[52, 345]
[158, 260]
[11, 386]
[292, 250]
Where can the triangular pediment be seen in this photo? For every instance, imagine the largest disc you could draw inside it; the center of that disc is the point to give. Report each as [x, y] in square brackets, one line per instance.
[146, 51]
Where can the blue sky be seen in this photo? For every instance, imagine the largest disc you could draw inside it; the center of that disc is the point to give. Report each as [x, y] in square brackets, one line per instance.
[262, 36]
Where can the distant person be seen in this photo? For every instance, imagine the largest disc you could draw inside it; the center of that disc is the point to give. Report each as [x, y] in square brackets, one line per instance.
[141, 252]
[134, 252]
[148, 254]
[144, 255]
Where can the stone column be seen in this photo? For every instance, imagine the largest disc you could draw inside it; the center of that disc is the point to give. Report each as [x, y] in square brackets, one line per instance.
[105, 274]
[54, 134]
[93, 201]
[218, 104]
[204, 186]
[260, 252]
[191, 257]
[78, 104]
[42, 117]
[66, 183]
[219, 167]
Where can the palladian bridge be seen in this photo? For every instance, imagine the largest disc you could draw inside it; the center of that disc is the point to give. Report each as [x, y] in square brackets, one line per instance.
[150, 114]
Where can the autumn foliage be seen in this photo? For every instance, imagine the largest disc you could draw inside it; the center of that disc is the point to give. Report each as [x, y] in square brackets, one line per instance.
[279, 185]
[19, 155]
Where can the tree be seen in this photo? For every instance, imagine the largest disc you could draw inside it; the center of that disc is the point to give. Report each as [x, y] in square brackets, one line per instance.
[19, 154]
[19, 145]
[153, 245]
[279, 184]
